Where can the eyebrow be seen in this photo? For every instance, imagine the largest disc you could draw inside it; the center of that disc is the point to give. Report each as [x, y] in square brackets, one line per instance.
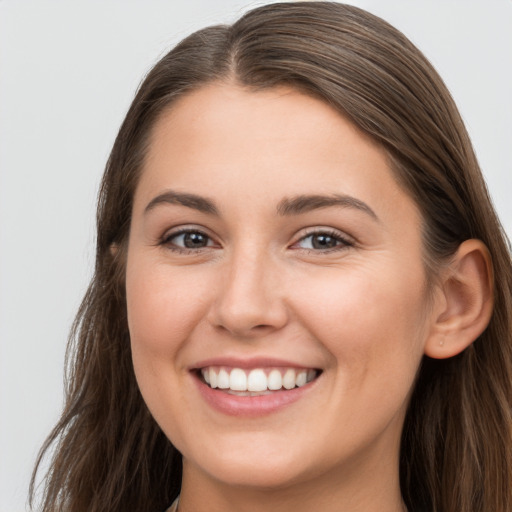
[288, 206]
[306, 203]
[193, 201]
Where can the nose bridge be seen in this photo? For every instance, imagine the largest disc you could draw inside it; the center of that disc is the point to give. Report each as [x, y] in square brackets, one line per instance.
[249, 300]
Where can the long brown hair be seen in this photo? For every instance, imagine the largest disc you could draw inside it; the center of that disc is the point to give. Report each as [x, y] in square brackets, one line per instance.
[456, 452]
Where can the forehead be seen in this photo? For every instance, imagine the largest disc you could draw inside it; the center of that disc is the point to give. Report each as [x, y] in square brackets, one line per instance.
[224, 114]
[235, 143]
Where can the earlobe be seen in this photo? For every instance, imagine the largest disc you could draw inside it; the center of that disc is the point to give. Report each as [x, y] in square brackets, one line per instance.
[467, 301]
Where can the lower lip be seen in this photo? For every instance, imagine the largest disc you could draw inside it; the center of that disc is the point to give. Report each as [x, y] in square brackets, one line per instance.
[248, 406]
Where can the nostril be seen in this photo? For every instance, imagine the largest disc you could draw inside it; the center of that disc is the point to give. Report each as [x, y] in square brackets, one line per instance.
[248, 315]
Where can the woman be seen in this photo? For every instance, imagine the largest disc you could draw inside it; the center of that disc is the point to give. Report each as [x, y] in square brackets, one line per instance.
[302, 297]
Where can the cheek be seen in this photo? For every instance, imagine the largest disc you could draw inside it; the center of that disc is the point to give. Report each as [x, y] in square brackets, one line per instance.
[164, 306]
[367, 319]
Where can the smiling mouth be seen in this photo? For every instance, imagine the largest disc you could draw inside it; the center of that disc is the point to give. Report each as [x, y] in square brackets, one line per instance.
[257, 381]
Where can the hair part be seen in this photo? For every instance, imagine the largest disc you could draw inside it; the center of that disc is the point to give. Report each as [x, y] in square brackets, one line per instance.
[456, 451]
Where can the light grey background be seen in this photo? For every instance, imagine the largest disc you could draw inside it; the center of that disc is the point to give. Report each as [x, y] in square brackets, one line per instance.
[68, 71]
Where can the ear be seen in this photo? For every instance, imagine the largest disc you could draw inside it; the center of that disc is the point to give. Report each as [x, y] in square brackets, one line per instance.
[463, 308]
[114, 249]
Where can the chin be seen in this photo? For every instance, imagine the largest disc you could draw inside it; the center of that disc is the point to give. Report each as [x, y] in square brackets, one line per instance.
[257, 469]
[257, 477]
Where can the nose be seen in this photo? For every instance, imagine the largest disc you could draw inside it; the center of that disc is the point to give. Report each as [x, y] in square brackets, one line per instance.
[249, 301]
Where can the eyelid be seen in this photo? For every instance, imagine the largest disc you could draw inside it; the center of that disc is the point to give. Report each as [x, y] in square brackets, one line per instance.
[345, 239]
[165, 239]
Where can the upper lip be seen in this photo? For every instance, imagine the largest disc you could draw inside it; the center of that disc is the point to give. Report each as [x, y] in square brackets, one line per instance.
[252, 362]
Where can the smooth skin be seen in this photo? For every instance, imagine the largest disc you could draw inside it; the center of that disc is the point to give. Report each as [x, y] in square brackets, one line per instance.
[338, 287]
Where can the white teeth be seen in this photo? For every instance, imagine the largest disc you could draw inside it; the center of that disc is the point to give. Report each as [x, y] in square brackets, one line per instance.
[223, 379]
[301, 378]
[289, 379]
[257, 381]
[213, 378]
[274, 380]
[238, 380]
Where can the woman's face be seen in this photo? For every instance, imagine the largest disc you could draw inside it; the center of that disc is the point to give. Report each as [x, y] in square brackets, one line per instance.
[271, 247]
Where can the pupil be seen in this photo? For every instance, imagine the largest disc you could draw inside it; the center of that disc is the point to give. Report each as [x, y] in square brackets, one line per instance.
[194, 240]
[324, 242]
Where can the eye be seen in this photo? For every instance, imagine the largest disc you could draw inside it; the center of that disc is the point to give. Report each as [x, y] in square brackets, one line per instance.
[323, 241]
[187, 239]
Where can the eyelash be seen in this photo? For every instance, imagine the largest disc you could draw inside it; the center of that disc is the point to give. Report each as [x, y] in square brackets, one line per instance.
[341, 241]
[167, 241]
